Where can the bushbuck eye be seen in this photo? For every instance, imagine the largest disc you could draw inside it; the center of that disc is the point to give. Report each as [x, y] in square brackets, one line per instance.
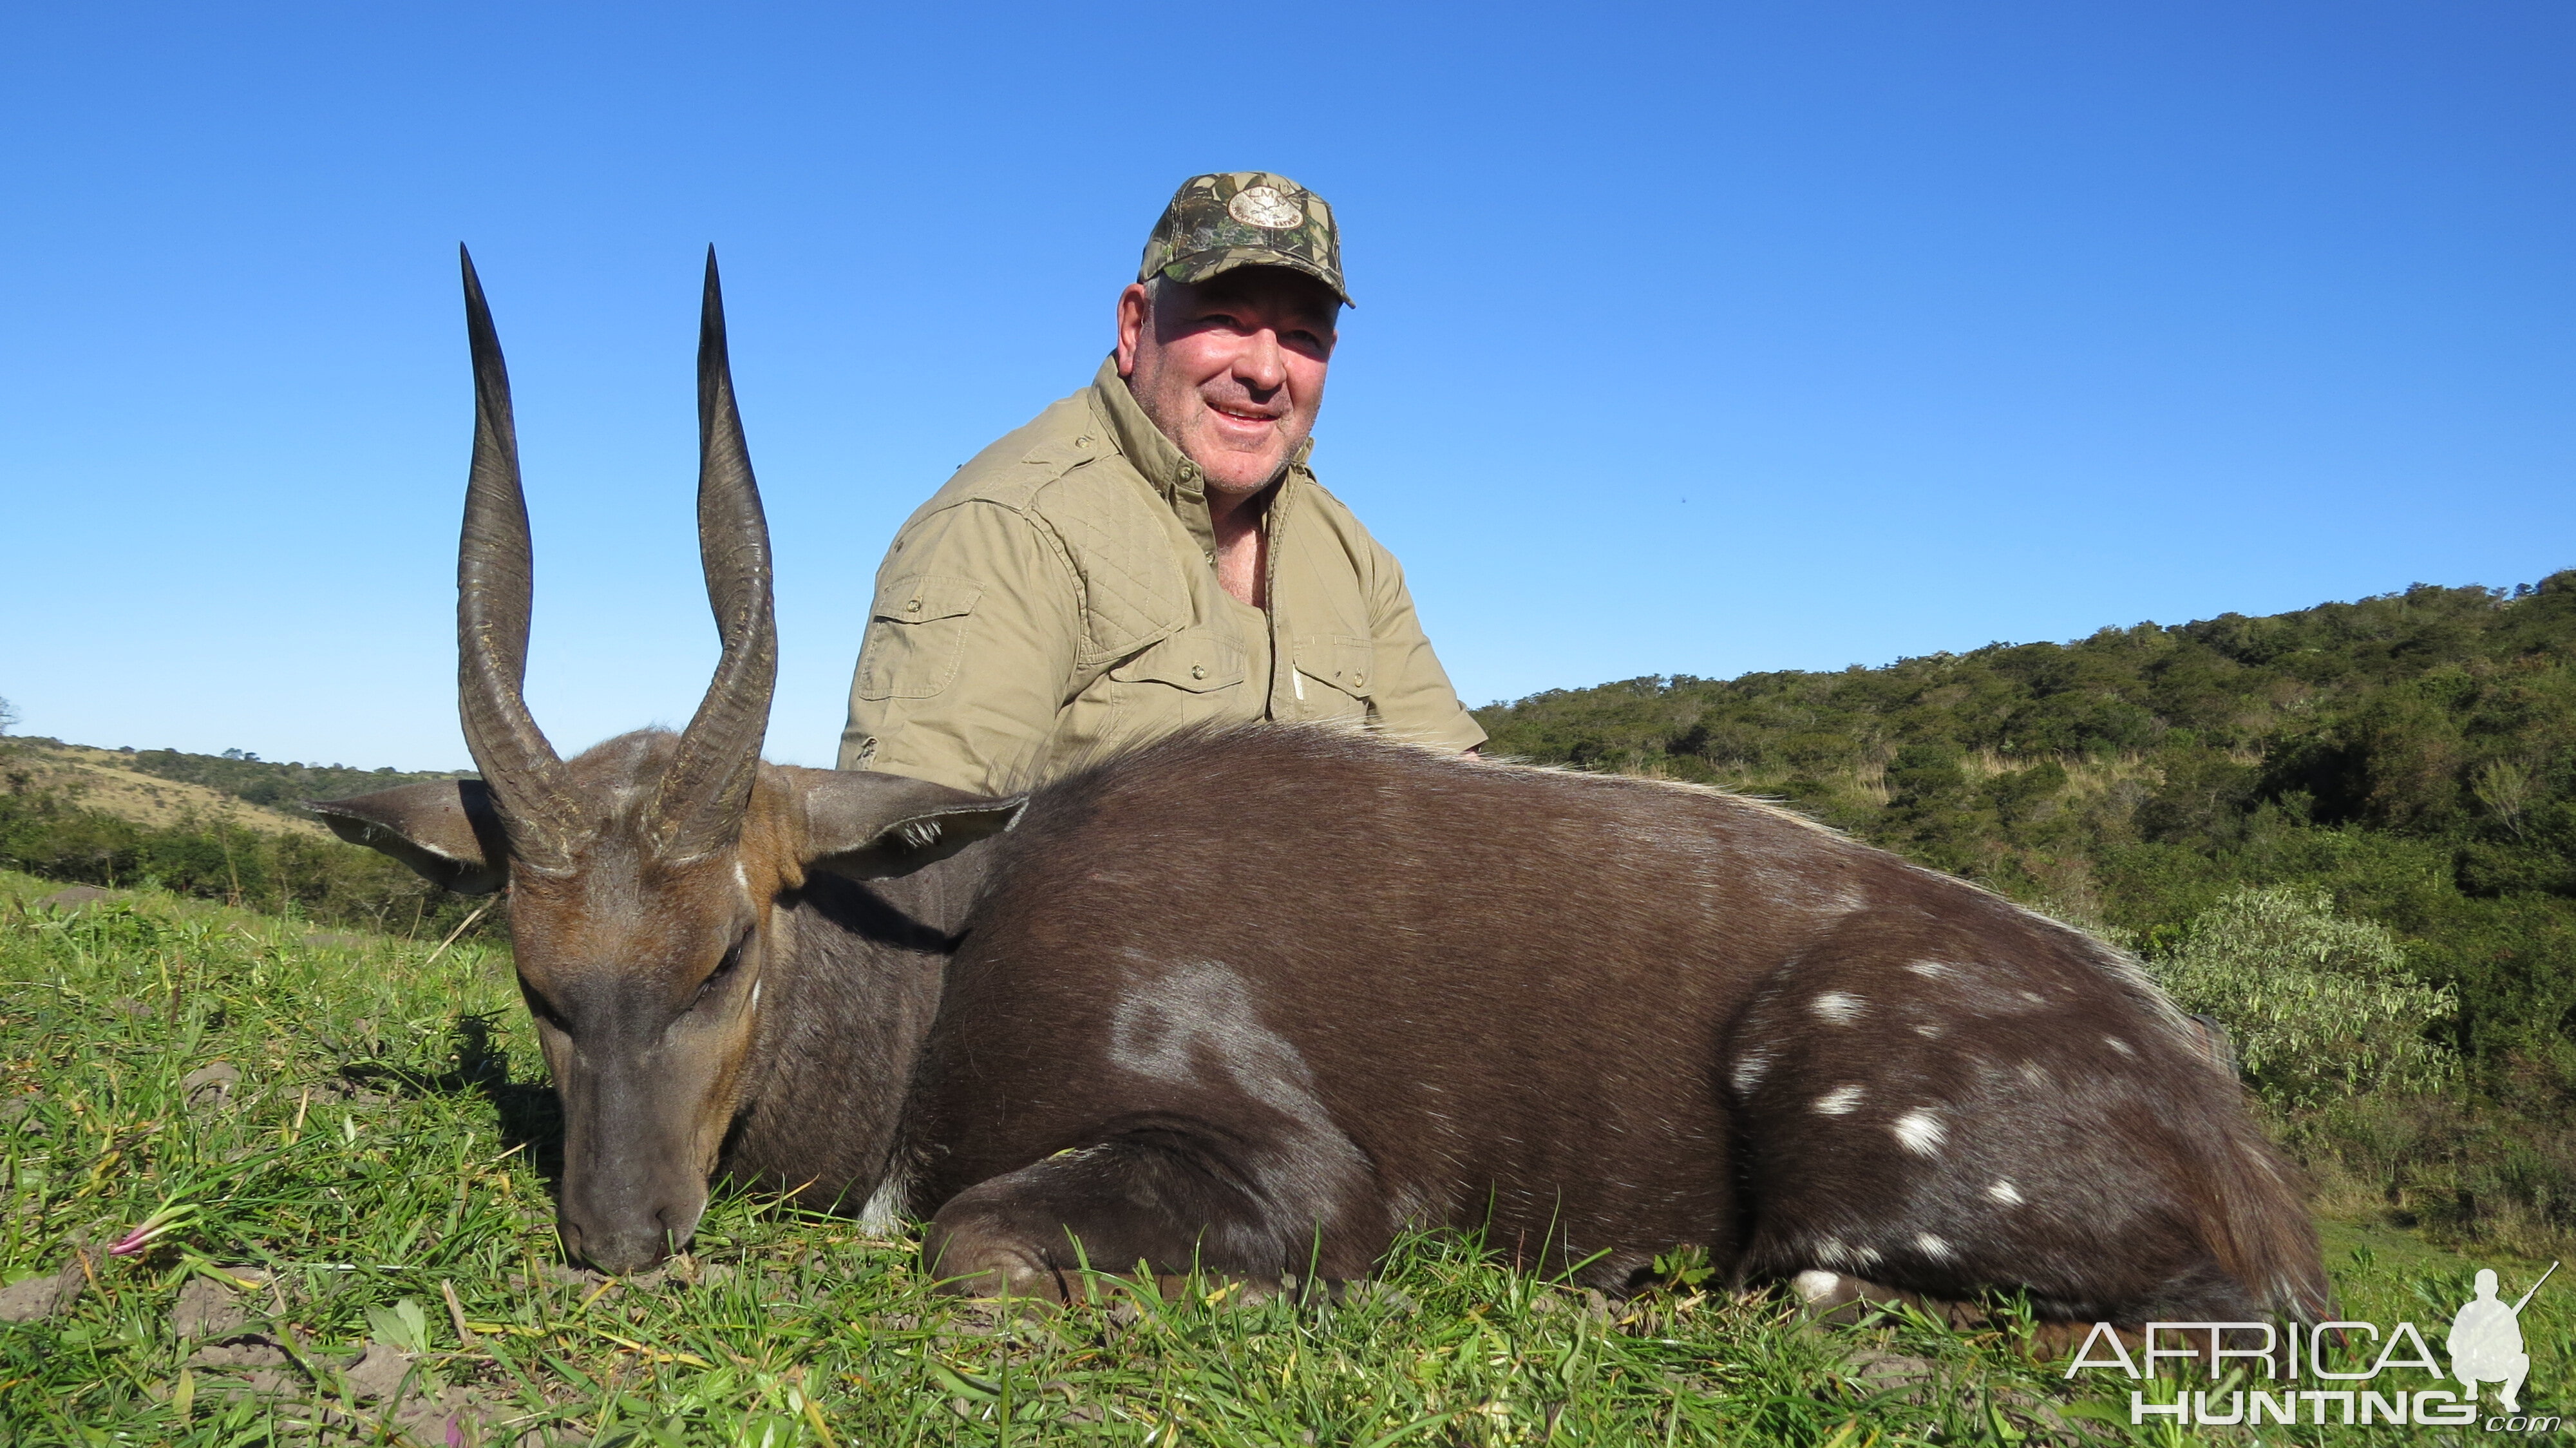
[543, 1009]
[724, 969]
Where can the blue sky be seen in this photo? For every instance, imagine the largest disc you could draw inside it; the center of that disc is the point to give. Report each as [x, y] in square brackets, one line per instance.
[1694, 339]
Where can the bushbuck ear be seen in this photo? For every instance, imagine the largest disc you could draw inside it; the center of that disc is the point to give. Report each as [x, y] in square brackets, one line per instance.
[446, 829]
[875, 826]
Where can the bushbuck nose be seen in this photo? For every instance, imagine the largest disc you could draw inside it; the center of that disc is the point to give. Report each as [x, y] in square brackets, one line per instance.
[632, 1190]
[621, 1252]
[621, 1247]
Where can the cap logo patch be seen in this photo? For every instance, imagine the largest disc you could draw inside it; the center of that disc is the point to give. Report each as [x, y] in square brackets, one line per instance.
[1264, 207]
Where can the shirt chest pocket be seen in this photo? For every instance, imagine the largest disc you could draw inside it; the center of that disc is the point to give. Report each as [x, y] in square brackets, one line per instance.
[916, 636]
[1336, 674]
[1195, 661]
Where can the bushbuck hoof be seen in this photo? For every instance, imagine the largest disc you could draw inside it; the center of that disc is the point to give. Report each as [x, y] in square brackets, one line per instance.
[973, 1261]
[1844, 1301]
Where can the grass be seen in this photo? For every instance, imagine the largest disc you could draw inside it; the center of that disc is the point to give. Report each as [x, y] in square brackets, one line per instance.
[386, 1142]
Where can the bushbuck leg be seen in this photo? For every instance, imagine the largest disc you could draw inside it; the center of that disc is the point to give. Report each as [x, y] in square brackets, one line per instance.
[1107, 1207]
[1176, 1200]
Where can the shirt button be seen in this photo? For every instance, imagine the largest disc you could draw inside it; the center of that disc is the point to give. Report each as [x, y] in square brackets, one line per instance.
[1198, 671]
[913, 607]
[1359, 678]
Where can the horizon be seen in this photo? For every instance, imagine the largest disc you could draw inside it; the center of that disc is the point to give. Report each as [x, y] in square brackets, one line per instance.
[1689, 340]
[2503, 592]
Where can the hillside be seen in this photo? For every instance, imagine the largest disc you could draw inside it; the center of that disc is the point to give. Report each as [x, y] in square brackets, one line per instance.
[272, 787]
[106, 780]
[223, 827]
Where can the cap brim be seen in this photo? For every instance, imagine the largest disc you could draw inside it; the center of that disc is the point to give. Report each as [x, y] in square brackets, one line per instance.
[1200, 266]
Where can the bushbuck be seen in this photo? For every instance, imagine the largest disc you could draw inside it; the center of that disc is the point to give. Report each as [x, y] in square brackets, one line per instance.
[1253, 1001]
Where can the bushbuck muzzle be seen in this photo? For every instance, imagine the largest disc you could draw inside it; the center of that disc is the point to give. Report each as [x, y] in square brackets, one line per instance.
[635, 1177]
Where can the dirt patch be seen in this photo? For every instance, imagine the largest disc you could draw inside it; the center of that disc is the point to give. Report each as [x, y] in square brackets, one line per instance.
[389, 1386]
[211, 1086]
[39, 1298]
[208, 1309]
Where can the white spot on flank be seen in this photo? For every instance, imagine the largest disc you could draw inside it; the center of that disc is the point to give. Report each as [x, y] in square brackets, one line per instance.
[1198, 1024]
[2006, 1193]
[1815, 1286]
[1837, 1007]
[2034, 1073]
[2116, 1044]
[2034, 997]
[1837, 1101]
[1748, 1071]
[1832, 1249]
[1936, 1248]
[1932, 970]
[1928, 1032]
[1921, 1132]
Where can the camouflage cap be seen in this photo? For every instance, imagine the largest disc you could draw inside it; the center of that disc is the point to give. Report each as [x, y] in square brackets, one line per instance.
[1245, 218]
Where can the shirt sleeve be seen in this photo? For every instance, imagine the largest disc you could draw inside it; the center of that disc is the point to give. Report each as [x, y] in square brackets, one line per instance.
[970, 646]
[1413, 699]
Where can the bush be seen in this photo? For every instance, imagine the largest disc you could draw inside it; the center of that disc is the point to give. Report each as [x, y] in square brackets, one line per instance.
[2321, 1007]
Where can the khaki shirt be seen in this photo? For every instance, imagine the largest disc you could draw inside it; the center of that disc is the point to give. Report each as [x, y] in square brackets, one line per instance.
[1058, 601]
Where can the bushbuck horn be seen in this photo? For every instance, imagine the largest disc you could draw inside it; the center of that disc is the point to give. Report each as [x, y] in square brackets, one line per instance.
[700, 806]
[494, 571]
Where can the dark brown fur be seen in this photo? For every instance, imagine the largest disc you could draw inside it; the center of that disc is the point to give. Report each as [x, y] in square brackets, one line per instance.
[1279, 992]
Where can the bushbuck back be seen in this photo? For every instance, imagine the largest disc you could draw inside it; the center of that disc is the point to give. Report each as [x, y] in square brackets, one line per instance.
[1253, 1001]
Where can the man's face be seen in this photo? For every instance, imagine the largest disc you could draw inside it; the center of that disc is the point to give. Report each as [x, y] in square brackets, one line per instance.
[1232, 370]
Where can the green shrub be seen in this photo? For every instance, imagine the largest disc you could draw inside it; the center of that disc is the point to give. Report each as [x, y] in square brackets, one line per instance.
[2320, 1007]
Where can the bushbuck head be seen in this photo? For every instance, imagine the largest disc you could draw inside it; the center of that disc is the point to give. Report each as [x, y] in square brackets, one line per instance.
[649, 877]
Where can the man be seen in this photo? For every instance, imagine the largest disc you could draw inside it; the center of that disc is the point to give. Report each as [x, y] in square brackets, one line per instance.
[1152, 552]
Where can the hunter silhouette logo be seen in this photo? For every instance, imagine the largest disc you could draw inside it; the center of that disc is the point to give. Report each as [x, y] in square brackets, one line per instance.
[2346, 1359]
[2486, 1341]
